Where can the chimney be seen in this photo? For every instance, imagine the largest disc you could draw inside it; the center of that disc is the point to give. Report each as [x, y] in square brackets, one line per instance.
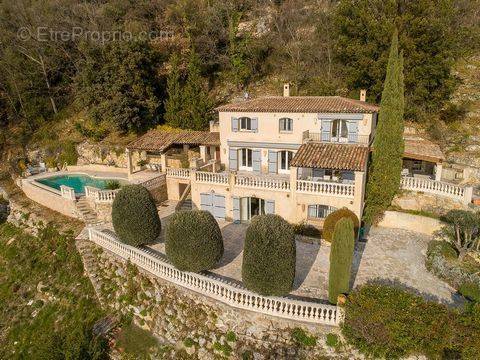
[286, 90]
[363, 95]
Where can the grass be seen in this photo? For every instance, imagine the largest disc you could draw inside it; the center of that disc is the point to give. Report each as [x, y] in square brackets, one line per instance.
[302, 338]
[416, 212]
[136, 342]
[47, 305]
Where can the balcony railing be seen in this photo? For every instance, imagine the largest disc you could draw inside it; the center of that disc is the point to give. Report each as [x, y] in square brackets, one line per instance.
[326, 188]
[178, 173]
[211, 177]
[310, 136]
[262, 182]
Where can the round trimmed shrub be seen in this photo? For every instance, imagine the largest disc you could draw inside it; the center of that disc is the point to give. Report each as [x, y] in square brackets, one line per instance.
[193, 241]
[135, 217]
[269, 256]
[332, 219]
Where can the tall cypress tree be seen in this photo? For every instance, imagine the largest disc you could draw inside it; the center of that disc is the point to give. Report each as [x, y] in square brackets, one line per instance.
[174, 103]
[388, 146]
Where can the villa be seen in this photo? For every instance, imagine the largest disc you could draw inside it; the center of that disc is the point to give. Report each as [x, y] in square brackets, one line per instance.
[295, 156]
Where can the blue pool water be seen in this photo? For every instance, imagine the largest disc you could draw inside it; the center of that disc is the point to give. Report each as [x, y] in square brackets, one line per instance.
[75, 181]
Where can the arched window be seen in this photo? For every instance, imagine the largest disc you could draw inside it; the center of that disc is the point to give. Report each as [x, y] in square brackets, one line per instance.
[286, 125]
[245, 123]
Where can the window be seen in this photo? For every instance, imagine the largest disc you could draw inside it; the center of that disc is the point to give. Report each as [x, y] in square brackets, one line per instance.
[286, 124]
[319, 211]
[339, 130]
[245, 123]
[246, 159]
[285, 158]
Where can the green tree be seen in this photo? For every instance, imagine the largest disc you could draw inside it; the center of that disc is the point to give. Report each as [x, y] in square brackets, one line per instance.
[174, 103]
[429, 34]
[238, 52]
[388, 145]
[341, 256]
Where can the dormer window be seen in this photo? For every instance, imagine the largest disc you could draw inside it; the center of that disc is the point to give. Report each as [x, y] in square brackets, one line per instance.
[286, 125]
[245, 123]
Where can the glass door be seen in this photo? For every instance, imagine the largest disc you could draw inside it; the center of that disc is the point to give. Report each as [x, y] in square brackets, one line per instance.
[339, 131]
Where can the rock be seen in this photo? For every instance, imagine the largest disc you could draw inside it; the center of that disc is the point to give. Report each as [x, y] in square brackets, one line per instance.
[201, 342]
[190, 350]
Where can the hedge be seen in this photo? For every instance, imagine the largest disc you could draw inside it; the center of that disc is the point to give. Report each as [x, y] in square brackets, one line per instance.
[341, 256]
[193, 241]
[385, 321]
[331, 221]
[269, 256]
[135, 217]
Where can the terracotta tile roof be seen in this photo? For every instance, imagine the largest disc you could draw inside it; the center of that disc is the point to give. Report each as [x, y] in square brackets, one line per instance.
[422, 149]
[331, 156]
[307, 104]
[156, 140]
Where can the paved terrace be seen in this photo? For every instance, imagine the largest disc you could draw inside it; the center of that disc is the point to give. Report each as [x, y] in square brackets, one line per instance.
[389, 254]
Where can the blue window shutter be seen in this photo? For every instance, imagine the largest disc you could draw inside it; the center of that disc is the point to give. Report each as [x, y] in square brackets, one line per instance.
[218, 209]
[352, 131]
[256, 160]
[326, 129]
[290, 121]
[206, 202]
[234, 124]
[269, 207]
[281, 124]
[233, 159]
[272, 162]
[236, 209]
[254, 124]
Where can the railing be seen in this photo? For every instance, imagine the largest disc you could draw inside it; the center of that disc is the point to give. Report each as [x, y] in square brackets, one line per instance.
[221, 290]
[326, 188]
[100, 196]
[178, 173]
[154, 182]
[210, 177]
[328, 138]
[262, 182]
[453, 191]
[67, 192]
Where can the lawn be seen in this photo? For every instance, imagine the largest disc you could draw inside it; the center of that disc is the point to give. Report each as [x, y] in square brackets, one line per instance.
[47, 305]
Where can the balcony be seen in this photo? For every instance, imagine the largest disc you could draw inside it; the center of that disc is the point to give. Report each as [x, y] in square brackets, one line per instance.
[310, 136]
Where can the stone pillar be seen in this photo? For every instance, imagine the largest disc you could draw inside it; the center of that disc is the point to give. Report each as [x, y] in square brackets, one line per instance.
[203, 153]
[129, 161]
[438, 171]
[468, 195]
[186, 147]
[359, 196]
[163, 162]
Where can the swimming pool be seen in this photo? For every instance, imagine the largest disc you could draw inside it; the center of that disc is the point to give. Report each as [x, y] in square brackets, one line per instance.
[77, 182]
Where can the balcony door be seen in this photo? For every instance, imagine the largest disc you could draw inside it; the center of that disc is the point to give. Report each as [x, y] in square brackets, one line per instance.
[251, 206]
[339, 130]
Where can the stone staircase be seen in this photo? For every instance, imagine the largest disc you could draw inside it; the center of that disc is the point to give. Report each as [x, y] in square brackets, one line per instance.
[86, 212]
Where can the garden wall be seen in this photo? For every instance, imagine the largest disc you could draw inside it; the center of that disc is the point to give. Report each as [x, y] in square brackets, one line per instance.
[405, 221]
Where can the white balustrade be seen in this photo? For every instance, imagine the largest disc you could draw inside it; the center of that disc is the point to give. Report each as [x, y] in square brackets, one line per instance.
[210, 177]
[178, 173]
[262, 182]
[326, 188]
[91, 192]
[437, 187]
[229, 293]
[154, 182]
[106, 196]
[67, 192]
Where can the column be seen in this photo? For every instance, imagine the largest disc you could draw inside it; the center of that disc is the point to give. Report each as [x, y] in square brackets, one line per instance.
[359, 196]
[163, 162]
[438, 171]
[203, 153]
[129, 161]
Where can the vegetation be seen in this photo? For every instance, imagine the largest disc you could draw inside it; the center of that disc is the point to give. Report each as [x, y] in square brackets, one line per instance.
[462, 231]
[388, 322]
[333, 218]
[471, 291]
[388, 145]
[193, 241]
[136, 342]
[113, 185]
[47, 304]
[269, 256]
[332, 340]
[302, 338]
[341, 257]
[135, 217]
[302, 228]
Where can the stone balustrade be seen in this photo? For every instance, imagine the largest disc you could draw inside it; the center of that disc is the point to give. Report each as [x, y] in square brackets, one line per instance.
[154, 182]
[261, 182]
[228, 293]
[67, 192]
[456, 192]
[178, 173]
[211, 177]
[326, 188]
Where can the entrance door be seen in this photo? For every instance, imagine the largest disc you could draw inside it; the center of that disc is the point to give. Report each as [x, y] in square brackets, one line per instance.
[251, 206]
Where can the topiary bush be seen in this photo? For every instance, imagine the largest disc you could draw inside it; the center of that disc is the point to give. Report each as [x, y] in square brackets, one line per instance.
[193, 241]
[331, 221]
[135, 217]
[341, 256]
[269, 256]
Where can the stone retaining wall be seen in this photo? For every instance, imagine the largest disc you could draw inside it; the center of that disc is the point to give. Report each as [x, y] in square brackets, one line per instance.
[405, 221]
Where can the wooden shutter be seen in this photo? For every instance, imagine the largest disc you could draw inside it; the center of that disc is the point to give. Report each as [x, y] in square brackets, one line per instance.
[269, 207]
[206, 202]
[352, 131]
[254, 123]
[236, 209]
[281, 124]
[234, 124]
[272, 162]
[256, 160]
[233, 159]
[326, 129]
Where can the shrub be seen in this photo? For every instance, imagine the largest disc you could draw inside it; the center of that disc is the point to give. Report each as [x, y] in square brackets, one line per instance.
[302, 338]
[471, 291]
[112, 185]
[302, 228]
[341, 256]
[269, 256]
[193, 241]
[332, 340]
[331, 221]
[388, 322]
[135, 217]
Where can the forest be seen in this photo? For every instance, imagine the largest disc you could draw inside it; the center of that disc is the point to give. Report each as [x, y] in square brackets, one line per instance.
[106, 69]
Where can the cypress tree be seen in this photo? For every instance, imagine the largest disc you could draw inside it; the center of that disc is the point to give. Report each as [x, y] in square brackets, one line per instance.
[388, 146]
[341, 256]
[174, 103]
